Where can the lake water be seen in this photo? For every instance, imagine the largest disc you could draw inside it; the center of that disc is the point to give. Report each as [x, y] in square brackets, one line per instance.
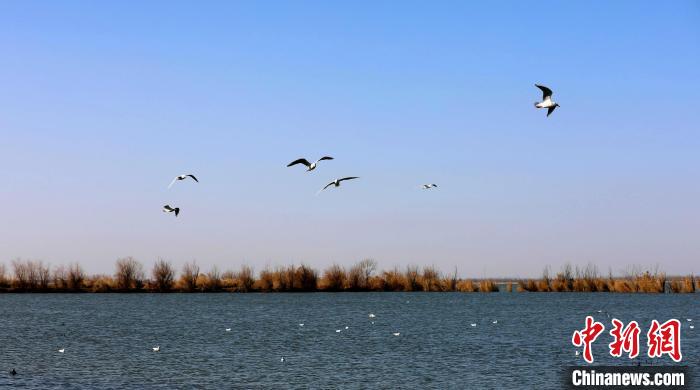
[108, 338]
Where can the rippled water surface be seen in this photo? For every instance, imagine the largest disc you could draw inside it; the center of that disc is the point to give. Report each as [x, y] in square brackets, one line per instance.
[108, 338]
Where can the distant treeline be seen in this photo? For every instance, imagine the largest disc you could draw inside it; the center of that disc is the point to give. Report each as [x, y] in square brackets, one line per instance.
[129, 276]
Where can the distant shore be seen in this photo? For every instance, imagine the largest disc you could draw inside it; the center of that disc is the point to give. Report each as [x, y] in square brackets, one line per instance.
[129, 276]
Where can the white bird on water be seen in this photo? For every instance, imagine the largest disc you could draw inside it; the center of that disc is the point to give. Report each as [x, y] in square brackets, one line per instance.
[371, 315]
[428, 186]
[301, 324]
[228, 329]
[692, 326]
[690, 319]
[169, 209]
[495, 322]
[547, 101]
[62, 350]
[156, 349]
[346, 327]
[282, 359]
[182, 177]
[397, 333]
[473, 325]
[338, 330]
[309, 166]
[577, 353]
[336, 183]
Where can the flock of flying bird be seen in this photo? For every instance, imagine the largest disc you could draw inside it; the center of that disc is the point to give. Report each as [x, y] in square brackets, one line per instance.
[546, 102]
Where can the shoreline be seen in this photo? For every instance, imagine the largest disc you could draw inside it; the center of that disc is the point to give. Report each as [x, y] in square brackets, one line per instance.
[29, 276]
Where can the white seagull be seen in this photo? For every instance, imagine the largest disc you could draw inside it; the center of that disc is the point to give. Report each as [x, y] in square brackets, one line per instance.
[301, 324]
[309, 166]
[397, 333]
[156, 349]
[371, 315]
[692, 326]
[336, 182]
[495, 322]
[168, 209]
[62, 350]
[547, 101]
[282, 359]
[338, 330]
[182, 177]
[428, 186]
[228, 329]
[576, 353]
[473, 325]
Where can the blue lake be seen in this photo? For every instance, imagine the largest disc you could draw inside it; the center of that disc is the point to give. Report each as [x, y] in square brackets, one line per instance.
[108, 338]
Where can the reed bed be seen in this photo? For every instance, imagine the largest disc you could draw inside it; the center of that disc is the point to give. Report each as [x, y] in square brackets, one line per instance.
[130, 276]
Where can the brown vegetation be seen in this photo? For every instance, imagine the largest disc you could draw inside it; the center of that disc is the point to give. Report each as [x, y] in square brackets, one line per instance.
[35, 276]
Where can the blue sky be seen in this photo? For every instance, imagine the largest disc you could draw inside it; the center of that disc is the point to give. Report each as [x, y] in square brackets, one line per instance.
[101, 104]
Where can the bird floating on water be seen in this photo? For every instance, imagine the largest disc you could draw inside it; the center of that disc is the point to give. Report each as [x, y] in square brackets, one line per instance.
[473, 324]
[577, 353]
[495, 322]
[692, 326]
[13, 372]
[62, 350]
[228, 329]
[156, 349]
[547, 101]
[690, 319]
[182, 177]
[336, 182]
[428, 186]
[309, 166]
[169, 209]
[397, 333]
[371, 315]
[338, 330]
[301, 324]
[282, 359]
[346, 327]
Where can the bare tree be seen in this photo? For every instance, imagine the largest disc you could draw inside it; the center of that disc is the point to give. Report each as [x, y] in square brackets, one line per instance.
[190, 273]
[163, 275]
[129, 274]
[43, 275]
[22, 277]
[360, 274]
[3, 276]
[60, 277]
[245, 279]
[76, 277]
[214, 279]
[334, 278]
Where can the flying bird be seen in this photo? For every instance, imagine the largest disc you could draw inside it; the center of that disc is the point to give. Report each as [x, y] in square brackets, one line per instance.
[547, 101]
[182, 177]
[428, 186]
[336, 182]
[309, 166]
[156, 349]
[168, 209]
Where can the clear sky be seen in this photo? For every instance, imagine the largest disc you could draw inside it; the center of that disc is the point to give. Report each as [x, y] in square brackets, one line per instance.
[103, 103]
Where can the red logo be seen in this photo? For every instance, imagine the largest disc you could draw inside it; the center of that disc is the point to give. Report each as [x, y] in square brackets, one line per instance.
[626, 339]
[587, 336]
[665, 339]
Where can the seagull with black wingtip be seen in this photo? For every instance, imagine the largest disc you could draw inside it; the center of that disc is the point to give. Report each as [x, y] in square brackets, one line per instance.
[169, 209]
[309, 166]
[547, 101]
[337, 182]
[182, 177]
